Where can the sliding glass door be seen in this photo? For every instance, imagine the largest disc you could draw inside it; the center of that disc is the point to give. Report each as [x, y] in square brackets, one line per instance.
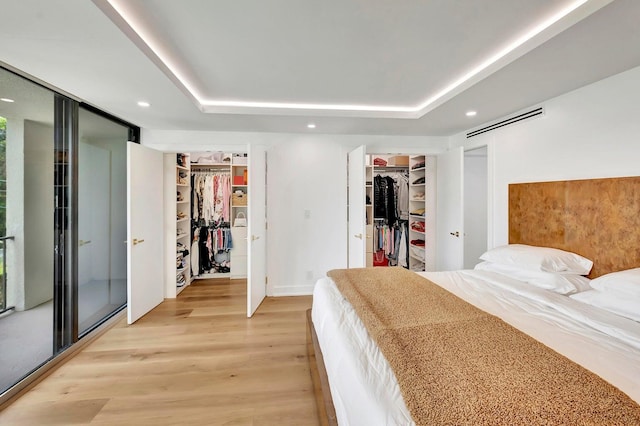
[102, 219]
[63, 224]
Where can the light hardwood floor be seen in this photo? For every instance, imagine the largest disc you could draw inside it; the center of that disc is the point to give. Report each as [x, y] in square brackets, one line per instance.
[194, 360]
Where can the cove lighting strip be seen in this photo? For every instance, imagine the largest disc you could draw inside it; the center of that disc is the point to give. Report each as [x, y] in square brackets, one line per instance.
[417, 111]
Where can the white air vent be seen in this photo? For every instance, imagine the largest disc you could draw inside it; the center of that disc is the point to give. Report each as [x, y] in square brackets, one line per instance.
[511, 120]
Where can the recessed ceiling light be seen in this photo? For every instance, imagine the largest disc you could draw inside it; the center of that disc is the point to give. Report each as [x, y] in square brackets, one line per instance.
[144, 104]
[6, 100]
[311, 126]
[470, 113]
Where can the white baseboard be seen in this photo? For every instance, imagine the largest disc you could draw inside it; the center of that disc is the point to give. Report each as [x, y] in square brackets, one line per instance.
[291, 290]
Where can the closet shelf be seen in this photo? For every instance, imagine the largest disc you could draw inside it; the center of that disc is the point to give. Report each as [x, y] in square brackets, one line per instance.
[418, 247]
[417, 232]
[417, 184]
[210, 165]
[182, 202]
[179, 236]
[413, 256]
[182, 184]
[421, 200]
[182, 220]
[418, 169]
[181, 270]
[214, 275]
[182, 168]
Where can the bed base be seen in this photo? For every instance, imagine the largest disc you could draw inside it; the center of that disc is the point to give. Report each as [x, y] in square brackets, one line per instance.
[324, 402]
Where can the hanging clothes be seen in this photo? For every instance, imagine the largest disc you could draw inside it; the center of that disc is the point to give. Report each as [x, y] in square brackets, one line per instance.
[211, 195]
[393, 242]
[391, 196]
[402, 203]
[384, 202]
[403, 249]
[208, 242]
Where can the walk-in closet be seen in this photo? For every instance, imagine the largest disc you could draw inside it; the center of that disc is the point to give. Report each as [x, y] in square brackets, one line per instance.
[206, 213]
[400, 202]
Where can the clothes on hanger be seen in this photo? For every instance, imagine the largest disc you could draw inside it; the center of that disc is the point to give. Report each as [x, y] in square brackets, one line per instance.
[393, 242]
[403, 248]
[209, 242]
[210, 195]
[391, 196]
[384, 199]
[402, 189]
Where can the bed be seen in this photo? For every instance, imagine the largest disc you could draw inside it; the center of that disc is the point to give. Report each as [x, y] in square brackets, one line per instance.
[360, 387]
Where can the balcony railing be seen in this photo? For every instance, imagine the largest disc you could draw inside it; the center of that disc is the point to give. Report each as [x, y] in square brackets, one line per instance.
[3, 276]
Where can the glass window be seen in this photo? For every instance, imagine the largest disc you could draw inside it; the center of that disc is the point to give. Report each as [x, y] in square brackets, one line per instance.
[26, 223]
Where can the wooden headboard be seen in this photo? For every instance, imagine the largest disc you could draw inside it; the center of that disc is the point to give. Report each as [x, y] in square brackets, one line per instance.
[596, 218]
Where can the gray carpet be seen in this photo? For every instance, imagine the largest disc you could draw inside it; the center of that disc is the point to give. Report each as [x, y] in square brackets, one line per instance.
[27, 341]
[26, 337]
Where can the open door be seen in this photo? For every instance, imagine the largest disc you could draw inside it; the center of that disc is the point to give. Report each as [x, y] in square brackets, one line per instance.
[257, 248]
[450, 234]
[145, 280]
[357, 219]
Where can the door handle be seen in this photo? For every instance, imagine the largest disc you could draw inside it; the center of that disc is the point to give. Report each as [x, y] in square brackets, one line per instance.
[455, 234]
[83, 242]
[137, 241]
[359, 236]
[254, 237]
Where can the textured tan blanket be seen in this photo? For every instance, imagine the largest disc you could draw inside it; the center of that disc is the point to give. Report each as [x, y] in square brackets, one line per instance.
[458, 365]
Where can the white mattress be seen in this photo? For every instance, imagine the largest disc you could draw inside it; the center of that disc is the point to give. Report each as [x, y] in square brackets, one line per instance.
[365, 390]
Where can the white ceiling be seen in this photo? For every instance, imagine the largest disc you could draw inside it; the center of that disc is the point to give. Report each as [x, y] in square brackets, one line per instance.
[351, 67]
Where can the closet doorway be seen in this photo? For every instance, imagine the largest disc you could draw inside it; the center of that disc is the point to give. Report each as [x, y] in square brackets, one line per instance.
[215, 219]
[391, 210]
[475, 203]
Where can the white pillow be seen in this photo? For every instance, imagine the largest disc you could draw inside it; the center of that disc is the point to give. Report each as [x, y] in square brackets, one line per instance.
[628, 307]
[623, 283]
[539, 259]
[558, 283]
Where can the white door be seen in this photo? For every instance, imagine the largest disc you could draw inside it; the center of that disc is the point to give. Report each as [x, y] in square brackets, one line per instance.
[145, 281]
[357, 216]
[450, 234]
[257, 247]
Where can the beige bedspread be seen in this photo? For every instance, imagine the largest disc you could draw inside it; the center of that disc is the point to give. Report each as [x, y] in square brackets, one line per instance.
[457, 365]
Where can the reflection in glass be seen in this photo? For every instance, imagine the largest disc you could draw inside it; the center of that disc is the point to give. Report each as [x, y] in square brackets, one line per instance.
[26, 213]
[102, 221]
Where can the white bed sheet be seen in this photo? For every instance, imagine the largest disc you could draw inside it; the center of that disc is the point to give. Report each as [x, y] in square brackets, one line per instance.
[365, 390]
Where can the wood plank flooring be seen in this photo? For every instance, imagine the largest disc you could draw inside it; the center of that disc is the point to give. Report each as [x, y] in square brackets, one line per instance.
[194, 360]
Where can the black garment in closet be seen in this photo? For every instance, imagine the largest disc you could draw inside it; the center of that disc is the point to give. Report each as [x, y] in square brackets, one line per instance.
[205, 260]
[385, 199]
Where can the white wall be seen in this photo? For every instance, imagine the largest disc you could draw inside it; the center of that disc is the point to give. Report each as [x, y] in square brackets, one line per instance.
[304, 172]
[38, 208]
[15, 212]
[592, 132]
[29, 213]
[306, 213]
